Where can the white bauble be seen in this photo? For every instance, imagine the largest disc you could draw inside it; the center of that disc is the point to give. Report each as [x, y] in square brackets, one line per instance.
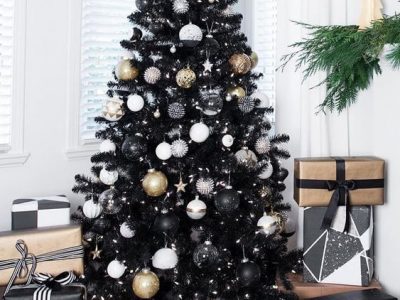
[165, 259]
[126, 232]
[108, 177]
[164, 151]
[181, 6]
[196, 209]
[92, 210]
[199, 132]
[265, 101]
[227, 140]
[107, 146]
[116, 269]
[135, 103]
[191, 35]
[179, 148]
[152, 75]
[266, 173]
[267, 225]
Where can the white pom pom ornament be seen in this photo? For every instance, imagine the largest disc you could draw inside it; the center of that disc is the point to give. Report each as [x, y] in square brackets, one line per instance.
[152, 75]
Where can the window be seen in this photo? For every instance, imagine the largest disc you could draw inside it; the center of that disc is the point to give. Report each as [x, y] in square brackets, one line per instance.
[6, 72]
[104, 25]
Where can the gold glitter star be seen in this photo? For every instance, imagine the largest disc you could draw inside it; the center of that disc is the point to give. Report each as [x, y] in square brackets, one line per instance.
[96, 253]
[181, 187]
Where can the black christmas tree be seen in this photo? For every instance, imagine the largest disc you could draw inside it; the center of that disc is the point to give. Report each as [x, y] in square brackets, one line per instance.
[185, 202]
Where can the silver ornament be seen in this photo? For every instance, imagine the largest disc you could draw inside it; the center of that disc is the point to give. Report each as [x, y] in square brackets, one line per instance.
[205, 255]
[157, 114]
[172, 49]
[246, 158]
[211, 102]
[246, 104]
[181, 6]
[176, 110]
[179, 148]
[263, 145]
[152, 75]
[191, 35]
[205, 186]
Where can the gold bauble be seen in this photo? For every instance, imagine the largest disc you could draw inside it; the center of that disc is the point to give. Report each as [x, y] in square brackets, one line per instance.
[145, 284]
[185, 78]
[240, 63]
[237, 91]
[254, 59]
[126, 71]
[155, 183]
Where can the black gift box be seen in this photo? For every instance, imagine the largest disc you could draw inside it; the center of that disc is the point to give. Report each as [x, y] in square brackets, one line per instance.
[359, 295]
[70, 292]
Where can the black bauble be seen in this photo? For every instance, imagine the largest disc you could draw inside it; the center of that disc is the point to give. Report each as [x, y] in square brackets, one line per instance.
[227, 200]
[211, 45]
[248, 273]
[282, 174]
[137, 34]
[141, 4]
[205, 255]
[156, 27]
[134, 147]
[101, 225]
[166, 223]
[281, 186]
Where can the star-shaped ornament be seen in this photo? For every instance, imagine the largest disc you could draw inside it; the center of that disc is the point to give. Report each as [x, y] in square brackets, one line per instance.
[208, 66]
[181, 186]
[96, 253]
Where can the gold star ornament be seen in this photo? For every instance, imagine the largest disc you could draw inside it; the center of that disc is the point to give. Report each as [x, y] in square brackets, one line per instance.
[181, 186]
[96, 253]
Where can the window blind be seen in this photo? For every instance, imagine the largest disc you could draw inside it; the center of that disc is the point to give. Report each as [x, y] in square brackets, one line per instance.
[104, 25]
[6, 71]
[264, 40]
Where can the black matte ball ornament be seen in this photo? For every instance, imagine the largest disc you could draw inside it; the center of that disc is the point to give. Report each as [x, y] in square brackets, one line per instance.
[141, 4]
[227, 200]
[282, 174]
[134, 147]
[166, 223]
[211, 44]
[248, 273]
[137, 35]
[205, 255]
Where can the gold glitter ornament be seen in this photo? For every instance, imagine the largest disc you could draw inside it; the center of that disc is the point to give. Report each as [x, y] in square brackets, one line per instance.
[125, 71]
[155, 183]
[186, 78]
[240, 64]
[145, 284]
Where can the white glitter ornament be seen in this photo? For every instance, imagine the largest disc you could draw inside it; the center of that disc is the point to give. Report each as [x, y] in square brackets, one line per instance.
[165, 259]
[196, 209]
[113, 110]
[267, 225]
[126, 231]
[176, 110]
[179, 148]
[264, 99]
[205, 186]
[107, 146]
[263, 145]
[227, 140]
[199, 132]
[181, 6]
[108, 177]
[164, 151]
[92, 210]
[116, 269]
[152, 75]
[135, 103]
[191, 35]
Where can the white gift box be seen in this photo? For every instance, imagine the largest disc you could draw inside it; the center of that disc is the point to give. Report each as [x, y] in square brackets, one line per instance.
[40, 212]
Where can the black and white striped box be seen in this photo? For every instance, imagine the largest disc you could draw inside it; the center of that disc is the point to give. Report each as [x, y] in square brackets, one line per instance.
[40, 212]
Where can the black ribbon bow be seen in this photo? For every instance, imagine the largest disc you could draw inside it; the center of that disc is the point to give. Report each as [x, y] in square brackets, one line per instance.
[340, 196]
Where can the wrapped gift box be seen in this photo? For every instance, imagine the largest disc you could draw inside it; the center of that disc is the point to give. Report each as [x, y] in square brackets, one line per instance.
[372, 294]
[56, 249]
[331, 256]
[40, 212]
[316, 180]
[25, 292]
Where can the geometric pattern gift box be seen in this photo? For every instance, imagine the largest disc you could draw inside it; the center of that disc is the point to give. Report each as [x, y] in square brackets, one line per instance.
[40, 212]
[331, 256]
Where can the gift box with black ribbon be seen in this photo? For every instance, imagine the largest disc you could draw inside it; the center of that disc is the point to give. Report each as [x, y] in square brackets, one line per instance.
[46, 287]
[40, 212]
[45, 250]
[373, 294]
[339, 194]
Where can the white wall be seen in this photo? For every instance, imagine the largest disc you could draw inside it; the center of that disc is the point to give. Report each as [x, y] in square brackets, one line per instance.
[48, 170]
